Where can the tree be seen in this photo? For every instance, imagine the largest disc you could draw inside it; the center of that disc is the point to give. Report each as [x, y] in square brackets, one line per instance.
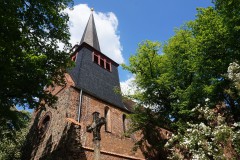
[234, 76]
[30, 58]
[13, 136]
[152, 82]
[191, 70]
[213, 138]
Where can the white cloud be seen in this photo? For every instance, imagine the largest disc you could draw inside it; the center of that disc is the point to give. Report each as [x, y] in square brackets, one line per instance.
[128, 87]
[106, 24]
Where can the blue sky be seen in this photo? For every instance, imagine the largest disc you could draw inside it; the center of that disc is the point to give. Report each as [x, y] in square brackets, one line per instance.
[145, 20]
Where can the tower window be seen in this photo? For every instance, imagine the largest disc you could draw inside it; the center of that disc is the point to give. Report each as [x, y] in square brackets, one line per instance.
[108, 127]
[95, 58]
[102, 61]
[108, 66]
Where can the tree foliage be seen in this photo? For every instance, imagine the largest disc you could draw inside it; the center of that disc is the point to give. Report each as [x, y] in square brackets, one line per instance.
[151, 136]
[234, 76]
[213, 138]
[191, 70]
[30, 32]
[12, 136]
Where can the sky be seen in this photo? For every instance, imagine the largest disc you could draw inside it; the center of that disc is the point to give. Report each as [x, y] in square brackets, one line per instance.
[122, 25]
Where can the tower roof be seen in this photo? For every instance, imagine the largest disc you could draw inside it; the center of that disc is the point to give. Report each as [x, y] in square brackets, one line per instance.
[90, 34]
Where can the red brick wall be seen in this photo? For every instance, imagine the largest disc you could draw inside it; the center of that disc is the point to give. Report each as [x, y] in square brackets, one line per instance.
[113, 141]
[58, 127]
[64, 139]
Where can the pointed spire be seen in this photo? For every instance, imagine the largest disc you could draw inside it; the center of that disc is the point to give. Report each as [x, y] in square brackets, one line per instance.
[90, 33]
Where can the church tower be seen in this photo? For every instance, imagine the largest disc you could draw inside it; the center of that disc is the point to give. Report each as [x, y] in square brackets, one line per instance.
[61, 131]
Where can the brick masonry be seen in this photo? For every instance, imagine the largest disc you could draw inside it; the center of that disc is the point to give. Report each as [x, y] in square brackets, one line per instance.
[64, 139]
[114, 141]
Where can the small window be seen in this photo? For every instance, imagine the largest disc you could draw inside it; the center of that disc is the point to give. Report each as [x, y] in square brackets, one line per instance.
[108, 127]
[108, 66]
[95, 58]
[124, 122]
[102, 62]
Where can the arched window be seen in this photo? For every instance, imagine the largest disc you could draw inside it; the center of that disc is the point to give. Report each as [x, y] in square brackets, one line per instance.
[124, 122]
[108, 126]
[44, 124]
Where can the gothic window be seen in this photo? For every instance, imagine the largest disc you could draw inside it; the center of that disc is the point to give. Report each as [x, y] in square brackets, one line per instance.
[102, 61]
[124, 123]
[108, 127]
[44, 124]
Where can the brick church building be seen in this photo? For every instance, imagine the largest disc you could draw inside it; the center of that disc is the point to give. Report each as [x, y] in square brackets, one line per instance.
[60, 132]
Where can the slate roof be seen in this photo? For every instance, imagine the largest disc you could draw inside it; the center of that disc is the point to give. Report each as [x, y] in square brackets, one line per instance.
[90, 34]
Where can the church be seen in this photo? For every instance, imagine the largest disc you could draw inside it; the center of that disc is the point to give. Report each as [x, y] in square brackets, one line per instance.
[89, 119]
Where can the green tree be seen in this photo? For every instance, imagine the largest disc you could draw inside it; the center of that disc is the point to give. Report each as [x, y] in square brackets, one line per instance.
[30, 32]
[212, 138]
[153, 91]
[191, 70]
[234, 76]
[13, 135]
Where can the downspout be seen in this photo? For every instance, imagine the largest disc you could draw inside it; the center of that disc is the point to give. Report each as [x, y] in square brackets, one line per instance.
[80, 105]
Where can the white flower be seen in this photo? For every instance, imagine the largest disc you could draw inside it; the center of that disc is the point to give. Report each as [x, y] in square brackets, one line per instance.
[207, 100]
[235, 124]
[189, 130]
